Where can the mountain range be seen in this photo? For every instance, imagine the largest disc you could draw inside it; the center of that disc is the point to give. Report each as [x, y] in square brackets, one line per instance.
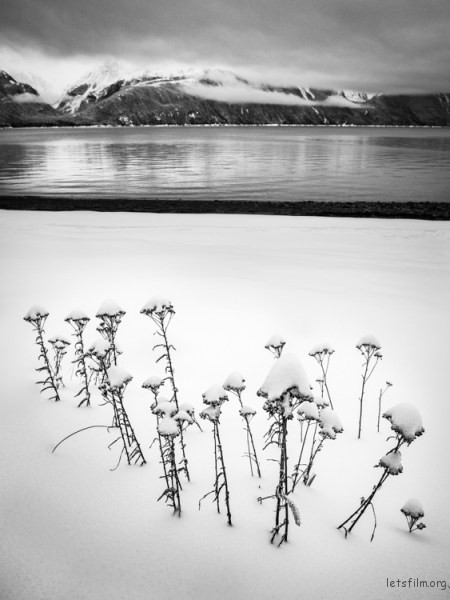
[112, 97]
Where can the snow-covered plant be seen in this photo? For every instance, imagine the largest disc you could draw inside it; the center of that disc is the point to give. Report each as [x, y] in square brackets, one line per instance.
[406, 422]
[113, 388]
[99, 354]
[113, 392]
[161, 312]
[214, 397]
[369, 347]
[36, 316]
[110, 315]
[190, 410]
[322, 354]
[380, 397]
[413, 511]
[154, 384]
[78, 321]
[326, 425]
[275, 344]
[59, 344]
[168, 430]
[235, 383]
[284, 388]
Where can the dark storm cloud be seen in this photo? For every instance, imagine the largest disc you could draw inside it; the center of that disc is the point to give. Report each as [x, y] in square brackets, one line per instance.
[379, 45]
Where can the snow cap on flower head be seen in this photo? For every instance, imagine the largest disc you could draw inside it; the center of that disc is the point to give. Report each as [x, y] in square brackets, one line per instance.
[215, 395]
[368, 341]
[99, 348]
[405, 420]
[286, 375]
[168, 427]
[118, 377]
[110, 308]
[153, 383]
[321, 349]
[234, 382]
[77, 315]
[158, 305]
[413, 508]
[37, 311]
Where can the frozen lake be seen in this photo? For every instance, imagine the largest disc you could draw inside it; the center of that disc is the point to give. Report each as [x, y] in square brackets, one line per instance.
[235, 163]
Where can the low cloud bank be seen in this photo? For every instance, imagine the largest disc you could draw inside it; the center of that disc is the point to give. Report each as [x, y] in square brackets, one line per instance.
[26, 98]
[240, 93]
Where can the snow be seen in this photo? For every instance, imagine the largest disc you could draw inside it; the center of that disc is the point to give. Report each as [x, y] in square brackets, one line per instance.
[413, 508]
[72, 529]
[153, 383]
[330, 423]
[35, 312]
[157, 304]
[275, 341]
[109, 308]
[183, 416]
[212, 413]
[321, 349]
[162, 398]
[99, 348]
[406, 420]
[234, 382]
[215, 395]
[247, 411]
[354, 96]
[308, 410]
[77, 315]
[187, 407]
[286, 374]
[118, 376]
[321, 402]
[168, 427]
[97, 80]
[369, 341]
[392, 462]
[164, 407]
[54, 339]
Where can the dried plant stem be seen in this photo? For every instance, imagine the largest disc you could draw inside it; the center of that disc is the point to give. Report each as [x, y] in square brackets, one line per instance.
[368, 352]
[296, 476]
[380, 397]
[49, 383]
[80, 361]
[282, 507]
[251, 449]
[221, 480]
[172, 492]
[324, 366]
[366, 502]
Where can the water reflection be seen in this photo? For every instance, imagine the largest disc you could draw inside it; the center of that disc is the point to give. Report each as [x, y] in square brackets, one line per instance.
[236, 163]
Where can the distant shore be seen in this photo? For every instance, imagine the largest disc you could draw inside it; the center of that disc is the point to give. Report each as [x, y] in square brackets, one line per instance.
[432, 211]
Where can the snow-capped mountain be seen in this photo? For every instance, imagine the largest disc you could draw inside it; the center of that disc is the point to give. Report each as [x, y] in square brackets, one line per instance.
[11, 88]
[21, 105]
[209, 84]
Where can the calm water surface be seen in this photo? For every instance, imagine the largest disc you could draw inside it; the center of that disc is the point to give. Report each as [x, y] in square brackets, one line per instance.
[240, 163]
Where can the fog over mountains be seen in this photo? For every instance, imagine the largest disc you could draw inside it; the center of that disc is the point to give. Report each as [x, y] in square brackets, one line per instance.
[110, 96]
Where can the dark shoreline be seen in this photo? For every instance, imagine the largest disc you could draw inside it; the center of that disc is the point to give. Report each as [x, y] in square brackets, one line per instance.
[430, 211]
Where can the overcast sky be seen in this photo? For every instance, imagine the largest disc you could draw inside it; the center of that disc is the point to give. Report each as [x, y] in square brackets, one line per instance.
[368, 45]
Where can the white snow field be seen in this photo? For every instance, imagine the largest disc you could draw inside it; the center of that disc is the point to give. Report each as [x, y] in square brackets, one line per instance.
[73, 529]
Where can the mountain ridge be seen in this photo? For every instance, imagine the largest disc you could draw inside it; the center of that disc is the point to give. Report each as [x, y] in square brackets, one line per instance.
[111, 97]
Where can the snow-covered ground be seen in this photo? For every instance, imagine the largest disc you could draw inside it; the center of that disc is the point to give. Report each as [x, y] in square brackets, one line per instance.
[73, 530]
